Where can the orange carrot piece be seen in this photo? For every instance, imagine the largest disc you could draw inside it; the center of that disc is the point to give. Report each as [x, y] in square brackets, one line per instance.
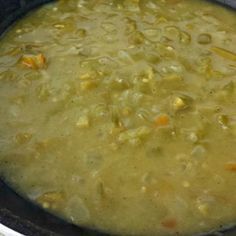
[29, 62]
[33, 61]
[231, 166]
[162, 120]
[170, 223]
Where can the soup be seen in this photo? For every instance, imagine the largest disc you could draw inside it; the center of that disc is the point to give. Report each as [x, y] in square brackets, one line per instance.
[120, 115]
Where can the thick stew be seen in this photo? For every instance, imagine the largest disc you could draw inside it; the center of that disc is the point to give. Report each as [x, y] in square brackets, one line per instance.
[120, 115]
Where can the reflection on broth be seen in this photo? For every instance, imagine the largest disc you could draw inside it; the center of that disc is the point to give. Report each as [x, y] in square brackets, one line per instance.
[120, 115]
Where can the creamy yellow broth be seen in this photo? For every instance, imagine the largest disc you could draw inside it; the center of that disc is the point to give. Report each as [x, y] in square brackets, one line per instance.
[120, 115]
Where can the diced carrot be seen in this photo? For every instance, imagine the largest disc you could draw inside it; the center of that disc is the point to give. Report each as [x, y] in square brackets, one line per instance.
[28, 61]
[34, 61]
[231, 166]
[162, 120]
[170, 223]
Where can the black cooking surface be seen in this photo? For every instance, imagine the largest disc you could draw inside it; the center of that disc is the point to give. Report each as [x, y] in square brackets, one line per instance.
[25, 217]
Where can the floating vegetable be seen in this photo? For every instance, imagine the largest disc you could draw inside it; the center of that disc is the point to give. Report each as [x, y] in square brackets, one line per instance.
[180, 103]
[83, 122]
[185, 37]
[134, 135]
[34, 61]
[224, 53]
[231, 166]
[50, 199]
[88, 85]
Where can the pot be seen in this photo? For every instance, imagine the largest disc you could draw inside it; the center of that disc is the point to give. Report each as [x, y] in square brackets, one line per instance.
[18, 213]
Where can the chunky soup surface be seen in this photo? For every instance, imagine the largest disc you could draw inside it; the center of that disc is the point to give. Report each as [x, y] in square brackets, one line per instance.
[120, 115]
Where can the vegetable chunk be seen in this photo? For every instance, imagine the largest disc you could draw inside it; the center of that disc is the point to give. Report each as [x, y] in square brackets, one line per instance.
[34, 61]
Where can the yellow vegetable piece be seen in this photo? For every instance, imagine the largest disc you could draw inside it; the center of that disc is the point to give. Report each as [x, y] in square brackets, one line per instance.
[88, 85]
[224, 53]
[83, 122]
[28, 62]
[50, 199]
[179, 104]
[34, 61]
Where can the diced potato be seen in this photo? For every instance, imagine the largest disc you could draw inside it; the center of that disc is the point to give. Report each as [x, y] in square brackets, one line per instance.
[77, 210]
[162, 120]
[179, 104]
[50, 199]
[83, 122]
